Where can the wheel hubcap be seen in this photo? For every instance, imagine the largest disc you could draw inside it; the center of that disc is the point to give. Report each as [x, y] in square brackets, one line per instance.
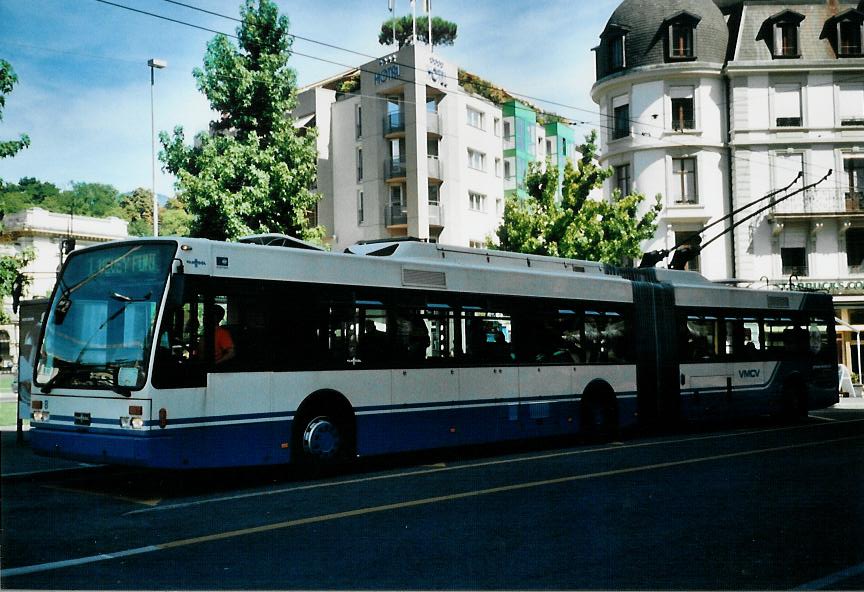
[321, 438]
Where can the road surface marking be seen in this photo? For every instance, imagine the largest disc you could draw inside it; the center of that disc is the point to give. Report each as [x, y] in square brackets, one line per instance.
[435, 469]
[219, 536]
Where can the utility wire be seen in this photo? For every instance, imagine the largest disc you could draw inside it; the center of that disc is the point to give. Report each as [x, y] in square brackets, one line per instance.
[668, 141]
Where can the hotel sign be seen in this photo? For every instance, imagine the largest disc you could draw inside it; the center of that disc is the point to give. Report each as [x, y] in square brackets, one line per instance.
[436, 71]
[388, 72]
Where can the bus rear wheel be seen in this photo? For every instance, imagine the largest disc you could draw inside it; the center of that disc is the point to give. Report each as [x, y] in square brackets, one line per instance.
[599, 415]
[321, 440]
[794, 400]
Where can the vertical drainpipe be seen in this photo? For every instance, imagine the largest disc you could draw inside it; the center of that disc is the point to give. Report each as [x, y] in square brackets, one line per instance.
[729, 184]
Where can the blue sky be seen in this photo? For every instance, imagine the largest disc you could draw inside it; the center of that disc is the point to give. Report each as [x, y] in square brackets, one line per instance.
[84, 86]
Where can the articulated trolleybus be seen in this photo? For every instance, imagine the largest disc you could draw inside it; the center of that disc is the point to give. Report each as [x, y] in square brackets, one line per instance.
[183, 353]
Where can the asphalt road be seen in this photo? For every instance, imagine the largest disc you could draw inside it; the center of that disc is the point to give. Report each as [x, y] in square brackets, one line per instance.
[755, 505]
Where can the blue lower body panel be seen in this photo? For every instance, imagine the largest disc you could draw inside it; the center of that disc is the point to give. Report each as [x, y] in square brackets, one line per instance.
[263, 443]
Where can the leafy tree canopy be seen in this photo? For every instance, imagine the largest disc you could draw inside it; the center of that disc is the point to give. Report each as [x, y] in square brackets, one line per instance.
[137, 208]
[443, 31]
[254, 172]
[11, 267]
[174, 220]
[8, 79]
[84, 199]
[576, 226]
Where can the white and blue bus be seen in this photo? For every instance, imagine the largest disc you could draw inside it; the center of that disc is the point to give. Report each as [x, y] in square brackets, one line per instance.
[397, 346]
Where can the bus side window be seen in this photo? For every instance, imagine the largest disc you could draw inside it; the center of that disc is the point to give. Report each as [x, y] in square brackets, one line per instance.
[179, 361]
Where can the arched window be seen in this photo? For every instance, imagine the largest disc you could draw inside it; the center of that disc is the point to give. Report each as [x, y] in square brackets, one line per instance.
[845, 33]
[780, 34]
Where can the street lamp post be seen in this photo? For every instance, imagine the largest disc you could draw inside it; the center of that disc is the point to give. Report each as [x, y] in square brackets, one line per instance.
[154, 65]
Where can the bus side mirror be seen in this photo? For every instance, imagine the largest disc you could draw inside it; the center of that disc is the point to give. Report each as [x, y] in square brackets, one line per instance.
[175, 293]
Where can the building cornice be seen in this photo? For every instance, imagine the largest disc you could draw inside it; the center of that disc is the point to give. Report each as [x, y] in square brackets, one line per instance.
[767, 67]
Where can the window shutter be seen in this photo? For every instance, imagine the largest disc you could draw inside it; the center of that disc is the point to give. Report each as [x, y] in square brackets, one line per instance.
[852, 102]
[787, 103]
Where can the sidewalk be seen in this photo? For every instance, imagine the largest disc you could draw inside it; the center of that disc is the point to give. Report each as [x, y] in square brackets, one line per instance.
[19, 462]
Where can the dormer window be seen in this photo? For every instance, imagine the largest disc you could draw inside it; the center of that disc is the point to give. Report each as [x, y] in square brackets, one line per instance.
[681, 37]
[616, 53]
[849, 34]
[780, 33]
[612, 51]
[680, 41]
[845, 33]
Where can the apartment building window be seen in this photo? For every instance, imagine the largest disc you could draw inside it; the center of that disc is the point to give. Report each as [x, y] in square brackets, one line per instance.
[497, 167]
[851, 104]
[508, 169]
[793, 261]
[616, 54]
[620, 117]
[684, 180]
[849, 35]
[476, 202]
[476, 244]
[855, 250]
[853, 172]
[689, 238]
[786, 40]
[622, 179]
[432, 105]
[564, 146]
[496, 126]
[359, 164]
[361, 216]
[476, 160]
[475, 118]
[434, 195]
[681, 37]
[787, 105]
[358, 122]
[683, 117]
[499, 207]
[432, 147]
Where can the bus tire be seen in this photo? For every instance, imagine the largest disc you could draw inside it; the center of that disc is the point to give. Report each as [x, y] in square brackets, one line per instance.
[599, 413]
[323, 432]
[794, 399]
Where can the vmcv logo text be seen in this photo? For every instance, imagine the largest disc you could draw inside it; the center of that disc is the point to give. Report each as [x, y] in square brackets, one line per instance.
[751, 373]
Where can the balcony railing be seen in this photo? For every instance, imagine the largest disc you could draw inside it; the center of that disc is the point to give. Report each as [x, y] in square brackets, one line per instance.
[394, 122]
[395, 215]
[395, 168]
[433, 123]
[821, 201]
[435, 169]
[436, 214]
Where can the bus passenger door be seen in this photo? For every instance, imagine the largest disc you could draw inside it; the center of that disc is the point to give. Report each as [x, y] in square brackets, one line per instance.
[425, 383]
[488, 379]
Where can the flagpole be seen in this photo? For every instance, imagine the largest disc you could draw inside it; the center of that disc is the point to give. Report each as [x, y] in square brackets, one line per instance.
[392, 5]
[429, 19]
[414, 20]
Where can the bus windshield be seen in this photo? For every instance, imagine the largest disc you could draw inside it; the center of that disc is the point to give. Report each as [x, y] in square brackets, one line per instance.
[101, 320]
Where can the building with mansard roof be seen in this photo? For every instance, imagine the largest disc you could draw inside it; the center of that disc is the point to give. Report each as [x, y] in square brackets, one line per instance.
[717, 104]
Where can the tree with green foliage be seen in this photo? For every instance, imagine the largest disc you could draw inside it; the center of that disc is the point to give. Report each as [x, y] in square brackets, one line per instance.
[443, 31]
[8, 79]
[576, 226]
[98, 200]
[174, 220]
[12, 279]
[254, 172]
[137, 207]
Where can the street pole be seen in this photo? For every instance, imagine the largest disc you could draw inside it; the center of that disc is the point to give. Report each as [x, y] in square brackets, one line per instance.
[154, 64]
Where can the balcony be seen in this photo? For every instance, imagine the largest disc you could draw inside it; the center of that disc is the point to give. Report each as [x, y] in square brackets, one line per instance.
[433, 123]
[394, 123]
[435, 168]
[395, 169]
[436, 214]
[395, 215]
[819, 202]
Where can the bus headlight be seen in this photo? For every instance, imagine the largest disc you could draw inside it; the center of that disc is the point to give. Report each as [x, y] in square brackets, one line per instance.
[133, 422]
